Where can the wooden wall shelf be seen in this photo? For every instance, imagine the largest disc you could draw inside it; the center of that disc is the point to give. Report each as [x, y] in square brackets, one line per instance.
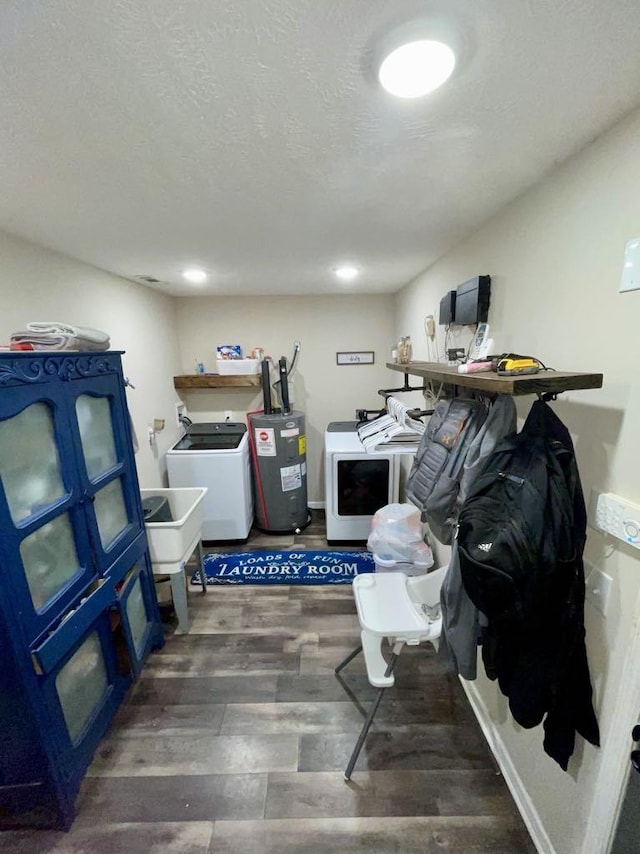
[194, 381]
[546, 381]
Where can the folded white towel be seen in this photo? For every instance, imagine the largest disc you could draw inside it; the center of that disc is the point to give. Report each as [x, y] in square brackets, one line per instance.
[55, 328]
[39, 341]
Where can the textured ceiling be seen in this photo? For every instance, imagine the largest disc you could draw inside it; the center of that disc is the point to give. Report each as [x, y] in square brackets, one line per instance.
[250, 136]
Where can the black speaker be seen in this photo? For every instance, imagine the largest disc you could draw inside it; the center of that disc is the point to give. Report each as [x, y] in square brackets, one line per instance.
[448, 308]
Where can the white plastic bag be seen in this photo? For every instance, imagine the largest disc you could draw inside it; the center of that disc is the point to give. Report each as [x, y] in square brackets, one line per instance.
[396, 535]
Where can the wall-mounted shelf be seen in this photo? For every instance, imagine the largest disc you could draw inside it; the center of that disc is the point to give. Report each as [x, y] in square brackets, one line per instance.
[546, 381]
[193, 381]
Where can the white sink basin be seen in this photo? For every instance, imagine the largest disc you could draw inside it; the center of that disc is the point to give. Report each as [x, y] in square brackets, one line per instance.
[171, 543]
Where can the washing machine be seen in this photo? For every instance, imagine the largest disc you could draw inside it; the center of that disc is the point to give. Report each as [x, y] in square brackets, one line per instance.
[216, 455]
[357, 483]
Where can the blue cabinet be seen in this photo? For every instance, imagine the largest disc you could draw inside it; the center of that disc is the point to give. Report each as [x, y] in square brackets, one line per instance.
[78, 613]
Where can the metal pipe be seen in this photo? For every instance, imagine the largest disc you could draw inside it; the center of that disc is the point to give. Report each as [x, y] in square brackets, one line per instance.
[284, 386]
[266, 388]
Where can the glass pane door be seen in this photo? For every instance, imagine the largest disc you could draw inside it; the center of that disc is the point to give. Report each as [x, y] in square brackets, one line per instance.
[111, 512]
[96, 434]
[107, 468]
[50, 560]
[137, 619]
[81, 685]
[139, 612]
[44, 535]
[29, 462]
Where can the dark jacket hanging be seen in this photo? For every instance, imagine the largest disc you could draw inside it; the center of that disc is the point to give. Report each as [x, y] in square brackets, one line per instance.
[521, 537]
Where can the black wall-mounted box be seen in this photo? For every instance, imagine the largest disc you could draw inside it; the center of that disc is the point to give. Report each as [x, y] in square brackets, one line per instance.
[472, 301]
[448, 308]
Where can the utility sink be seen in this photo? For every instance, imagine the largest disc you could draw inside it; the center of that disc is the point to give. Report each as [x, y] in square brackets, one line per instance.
[172, 543]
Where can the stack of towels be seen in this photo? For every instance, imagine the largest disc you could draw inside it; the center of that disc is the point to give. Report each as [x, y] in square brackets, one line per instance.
[59, 336]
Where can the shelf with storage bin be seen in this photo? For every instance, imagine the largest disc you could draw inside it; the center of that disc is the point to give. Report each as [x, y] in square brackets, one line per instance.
[553, 382]
[195, 381]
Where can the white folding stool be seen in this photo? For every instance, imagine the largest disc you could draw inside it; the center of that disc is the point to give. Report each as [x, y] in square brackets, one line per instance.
[405, 610]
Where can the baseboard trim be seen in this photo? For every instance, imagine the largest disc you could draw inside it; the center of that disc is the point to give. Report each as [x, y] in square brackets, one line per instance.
[316, 505]
[513, 780]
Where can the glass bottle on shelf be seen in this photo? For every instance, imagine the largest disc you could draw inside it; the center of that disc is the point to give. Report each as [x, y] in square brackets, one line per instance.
[405, 350]
[408, 349]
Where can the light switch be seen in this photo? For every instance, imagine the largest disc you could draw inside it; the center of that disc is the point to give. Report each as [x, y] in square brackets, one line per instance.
[630, 280]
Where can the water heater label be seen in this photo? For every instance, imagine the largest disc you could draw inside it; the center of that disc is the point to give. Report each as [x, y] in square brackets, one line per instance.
[302, 446]
[265, 441]
[291, 477]
[292, 431]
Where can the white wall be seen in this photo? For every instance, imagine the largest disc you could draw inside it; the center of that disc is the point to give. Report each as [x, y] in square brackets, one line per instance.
[40, 285]
[321, 389]
[555, 257]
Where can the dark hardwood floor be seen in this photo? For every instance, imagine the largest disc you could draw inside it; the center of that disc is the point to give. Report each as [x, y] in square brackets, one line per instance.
[236, 737]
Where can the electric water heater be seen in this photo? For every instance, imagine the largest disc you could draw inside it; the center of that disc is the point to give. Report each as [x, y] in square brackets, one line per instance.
[278, 444]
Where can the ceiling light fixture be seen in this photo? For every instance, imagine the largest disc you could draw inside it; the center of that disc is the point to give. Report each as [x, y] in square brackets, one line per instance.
[195, 275]
[416, 68]
[346, 273]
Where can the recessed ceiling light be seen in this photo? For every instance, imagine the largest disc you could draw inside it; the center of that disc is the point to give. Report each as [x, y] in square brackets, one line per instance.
[416, 68]
[346, 273]
[195, 275]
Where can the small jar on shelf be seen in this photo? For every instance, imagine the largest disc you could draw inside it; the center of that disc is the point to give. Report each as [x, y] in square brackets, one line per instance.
[404, 350]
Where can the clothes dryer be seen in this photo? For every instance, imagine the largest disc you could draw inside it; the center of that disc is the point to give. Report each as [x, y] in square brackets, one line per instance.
[357, 483]
[216, 455]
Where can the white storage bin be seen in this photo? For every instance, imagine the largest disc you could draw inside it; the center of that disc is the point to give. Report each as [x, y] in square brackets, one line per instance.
[169, 542]
[238, 366]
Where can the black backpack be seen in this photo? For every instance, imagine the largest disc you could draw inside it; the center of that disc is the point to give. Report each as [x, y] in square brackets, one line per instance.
[434, 480]
[521, 534]
[516, 526]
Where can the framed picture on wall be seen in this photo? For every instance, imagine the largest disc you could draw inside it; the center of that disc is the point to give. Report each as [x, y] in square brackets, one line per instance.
[358, 357]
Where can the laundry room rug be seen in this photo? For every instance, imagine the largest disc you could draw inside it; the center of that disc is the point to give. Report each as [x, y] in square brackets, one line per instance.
[264, 566]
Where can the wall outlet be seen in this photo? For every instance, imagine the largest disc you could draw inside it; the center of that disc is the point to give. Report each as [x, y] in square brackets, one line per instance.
[181, 410]
[597, 588]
